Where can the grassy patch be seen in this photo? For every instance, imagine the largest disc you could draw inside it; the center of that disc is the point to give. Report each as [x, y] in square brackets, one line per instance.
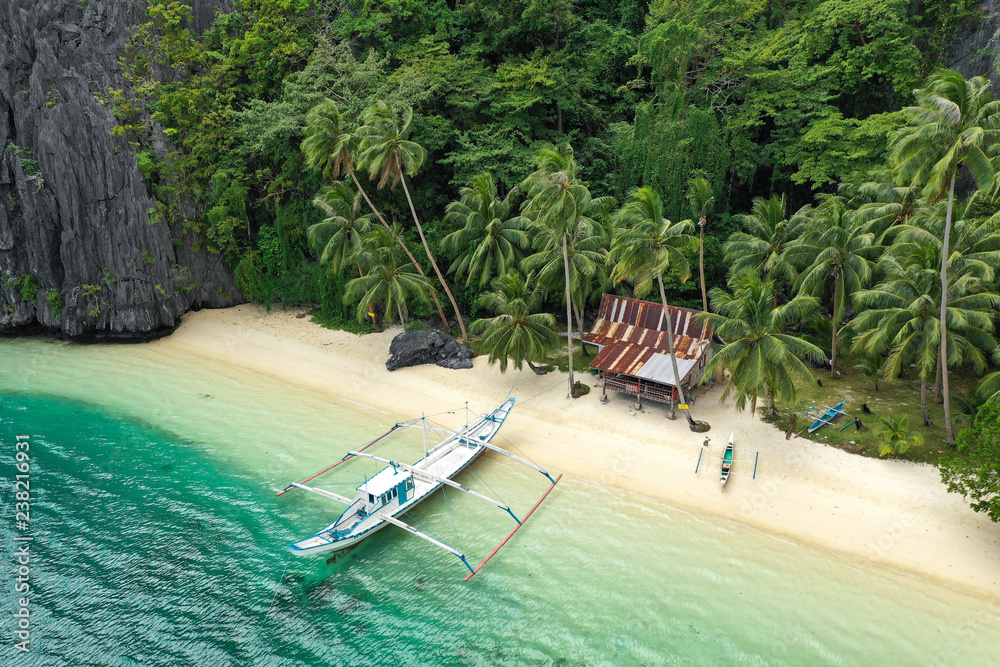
[558, 358]
[892, 399]
[340, 323]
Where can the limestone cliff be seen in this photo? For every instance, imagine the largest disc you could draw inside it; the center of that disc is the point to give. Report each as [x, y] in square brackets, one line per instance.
[976, 48]
[78, 253]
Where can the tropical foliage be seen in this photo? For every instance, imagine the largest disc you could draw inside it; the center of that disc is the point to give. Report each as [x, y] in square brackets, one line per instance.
[646, 246]
[896, 436]
[836, 253]
[491, 240]
[559, 206]
[390, 283]
[974, 471]
[338, 235]
[518, 334]
[852, 212]
[761, 357]
[955, 124]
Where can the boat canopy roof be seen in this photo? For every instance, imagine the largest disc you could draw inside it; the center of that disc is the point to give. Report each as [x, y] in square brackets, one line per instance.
[386, 479]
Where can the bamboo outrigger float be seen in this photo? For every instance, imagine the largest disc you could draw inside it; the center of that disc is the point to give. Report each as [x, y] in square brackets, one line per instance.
[399, 487]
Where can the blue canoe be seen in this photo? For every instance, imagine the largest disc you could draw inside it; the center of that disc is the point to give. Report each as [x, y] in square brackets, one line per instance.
[828, 416]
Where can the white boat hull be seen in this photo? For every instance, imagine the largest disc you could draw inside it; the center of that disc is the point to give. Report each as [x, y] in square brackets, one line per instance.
[445, 460]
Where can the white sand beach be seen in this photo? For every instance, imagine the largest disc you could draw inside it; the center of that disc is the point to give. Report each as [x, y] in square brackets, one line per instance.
[890, 513]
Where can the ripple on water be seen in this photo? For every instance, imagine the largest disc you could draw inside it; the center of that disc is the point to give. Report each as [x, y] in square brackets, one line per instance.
[160, 542]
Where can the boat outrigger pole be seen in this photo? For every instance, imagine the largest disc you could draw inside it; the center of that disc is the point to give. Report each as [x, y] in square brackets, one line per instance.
[410, 529]
[515, 529]
[346, 457]
[324, 493]
[501, 450]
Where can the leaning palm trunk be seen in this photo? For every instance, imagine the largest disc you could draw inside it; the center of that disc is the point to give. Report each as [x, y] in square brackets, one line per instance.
[427, 249]
[670, 349]
[701, 262]
[769, 400]
[579, 324]
[838, 300]
[535, 369]
[944, 314]
[937, 382]
[402, 244]
[569, 315]
[923, 401]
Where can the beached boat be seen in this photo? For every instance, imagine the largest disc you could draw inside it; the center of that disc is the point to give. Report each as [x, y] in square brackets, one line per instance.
[727, 459]
[399, 487]
[828, 416]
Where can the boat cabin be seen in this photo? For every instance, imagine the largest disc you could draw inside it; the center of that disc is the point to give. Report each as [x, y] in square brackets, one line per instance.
[388, 485]
[634, 356]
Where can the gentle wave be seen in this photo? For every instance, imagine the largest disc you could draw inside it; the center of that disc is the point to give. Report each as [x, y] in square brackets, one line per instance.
[159, 541]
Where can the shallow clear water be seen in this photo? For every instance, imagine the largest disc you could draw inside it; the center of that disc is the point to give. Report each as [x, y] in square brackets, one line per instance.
[158, 540]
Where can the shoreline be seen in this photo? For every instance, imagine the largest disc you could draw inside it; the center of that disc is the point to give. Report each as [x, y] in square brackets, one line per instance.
[892, 514]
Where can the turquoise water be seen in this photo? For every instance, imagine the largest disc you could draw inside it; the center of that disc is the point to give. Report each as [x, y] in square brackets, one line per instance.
[158, 540]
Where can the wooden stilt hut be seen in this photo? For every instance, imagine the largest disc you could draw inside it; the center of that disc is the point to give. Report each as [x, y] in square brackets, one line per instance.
[634, 358]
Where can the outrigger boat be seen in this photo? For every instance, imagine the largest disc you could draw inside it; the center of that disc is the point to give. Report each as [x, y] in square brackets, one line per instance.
[727, 459]
[828, 415]
[399, 487]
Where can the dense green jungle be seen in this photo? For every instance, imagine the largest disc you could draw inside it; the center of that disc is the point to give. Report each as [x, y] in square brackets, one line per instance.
[798, 170]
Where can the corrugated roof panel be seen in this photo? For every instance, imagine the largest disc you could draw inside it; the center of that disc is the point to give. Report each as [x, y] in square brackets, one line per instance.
[633, 334]
[621, 358]
[659, 369]
[649, 315]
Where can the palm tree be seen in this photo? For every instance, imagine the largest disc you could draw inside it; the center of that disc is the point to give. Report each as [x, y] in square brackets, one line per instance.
[954, 124]
[760, 356]
[517, 334]
[988, 390]
[900, 316]
[836, 250]
[871, 367]
[896, 437]
[559, 202]
[336, 237]
[973, 239]
[330, 147]
[647, 245]
[702, 202]
[491, 240]
[974, 242]
[763, 247]
[388, 154]
[882, 203]
[389, 281]
[585, 257]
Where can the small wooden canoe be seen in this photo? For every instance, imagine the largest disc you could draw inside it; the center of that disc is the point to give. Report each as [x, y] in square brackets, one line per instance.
[727, 459]
[828, 416]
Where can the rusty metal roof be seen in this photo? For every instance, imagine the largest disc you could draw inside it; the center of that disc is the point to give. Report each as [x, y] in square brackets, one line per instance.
[632, 331]
[642, 362]
[649, 315]
[626, 320]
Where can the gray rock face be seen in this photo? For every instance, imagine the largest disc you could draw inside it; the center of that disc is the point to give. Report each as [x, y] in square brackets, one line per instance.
[78, 252]
[976, 50]
[413, 348]
[204, 11]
